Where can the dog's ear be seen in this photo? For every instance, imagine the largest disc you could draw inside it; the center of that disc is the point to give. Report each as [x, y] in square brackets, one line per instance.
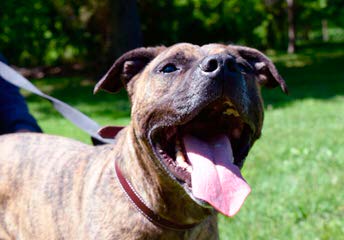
[267, 73]
[126, 67]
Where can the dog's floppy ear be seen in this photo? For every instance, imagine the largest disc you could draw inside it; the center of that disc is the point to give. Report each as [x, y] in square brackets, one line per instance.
[267, 73]
[126, 67]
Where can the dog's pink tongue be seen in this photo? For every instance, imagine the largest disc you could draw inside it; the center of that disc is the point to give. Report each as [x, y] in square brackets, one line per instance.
[215, 179]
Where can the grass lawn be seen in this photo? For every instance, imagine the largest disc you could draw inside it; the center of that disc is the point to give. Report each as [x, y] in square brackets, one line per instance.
[296, 170]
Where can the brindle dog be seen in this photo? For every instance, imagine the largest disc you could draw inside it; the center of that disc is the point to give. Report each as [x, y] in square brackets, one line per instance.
[182, 98]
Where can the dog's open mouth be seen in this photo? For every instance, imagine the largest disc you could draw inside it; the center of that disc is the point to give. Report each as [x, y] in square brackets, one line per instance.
[205, 154]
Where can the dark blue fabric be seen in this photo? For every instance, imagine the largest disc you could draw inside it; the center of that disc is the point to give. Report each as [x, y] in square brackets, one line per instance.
[14, 113]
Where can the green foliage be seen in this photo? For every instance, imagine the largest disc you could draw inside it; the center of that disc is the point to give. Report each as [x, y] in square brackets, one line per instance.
[258, 23]
[201, 21]
[310, 13]
[50, 32]
[37, 32]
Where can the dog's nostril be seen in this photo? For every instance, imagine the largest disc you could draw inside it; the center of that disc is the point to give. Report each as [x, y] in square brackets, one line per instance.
[210, 66]
[217, 62]
[230, 65]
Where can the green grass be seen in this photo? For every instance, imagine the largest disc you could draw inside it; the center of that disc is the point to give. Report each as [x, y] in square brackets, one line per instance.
[296, 170]
[296, 175]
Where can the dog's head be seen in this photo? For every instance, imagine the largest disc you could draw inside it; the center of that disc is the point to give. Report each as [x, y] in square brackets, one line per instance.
[196, 109]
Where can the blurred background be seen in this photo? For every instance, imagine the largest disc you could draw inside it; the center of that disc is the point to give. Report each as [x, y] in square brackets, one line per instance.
[296, 169]
[61, 32]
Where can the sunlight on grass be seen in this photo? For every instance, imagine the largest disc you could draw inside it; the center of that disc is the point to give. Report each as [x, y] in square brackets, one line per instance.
[296, 174]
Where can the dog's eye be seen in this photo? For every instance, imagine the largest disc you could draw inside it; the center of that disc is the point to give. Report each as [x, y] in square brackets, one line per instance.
[169, 68]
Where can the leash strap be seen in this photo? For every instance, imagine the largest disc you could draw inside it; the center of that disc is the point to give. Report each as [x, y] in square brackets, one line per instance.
[75, 116]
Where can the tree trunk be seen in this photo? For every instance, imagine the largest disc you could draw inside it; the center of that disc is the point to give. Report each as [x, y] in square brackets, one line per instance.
[124, 33]
[115, 28]
[291, 27]
[324, 26]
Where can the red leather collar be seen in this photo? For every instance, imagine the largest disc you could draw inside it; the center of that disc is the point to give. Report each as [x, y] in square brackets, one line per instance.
[148, 213]
[109, 132]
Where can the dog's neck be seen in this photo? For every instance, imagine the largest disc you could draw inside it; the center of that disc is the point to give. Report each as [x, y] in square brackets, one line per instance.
[158, 190]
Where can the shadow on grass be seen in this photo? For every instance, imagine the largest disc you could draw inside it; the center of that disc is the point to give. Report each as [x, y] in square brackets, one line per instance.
[317, 71]
[78, 92]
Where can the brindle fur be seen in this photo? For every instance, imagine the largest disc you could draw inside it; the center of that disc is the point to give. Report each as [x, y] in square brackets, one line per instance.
[56, 188]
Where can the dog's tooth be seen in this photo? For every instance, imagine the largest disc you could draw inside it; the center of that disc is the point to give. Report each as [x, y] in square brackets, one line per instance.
[164, 155]
[181, 160]
[179, 157]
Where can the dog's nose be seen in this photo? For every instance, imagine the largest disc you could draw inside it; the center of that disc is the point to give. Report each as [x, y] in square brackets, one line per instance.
[214, 64]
